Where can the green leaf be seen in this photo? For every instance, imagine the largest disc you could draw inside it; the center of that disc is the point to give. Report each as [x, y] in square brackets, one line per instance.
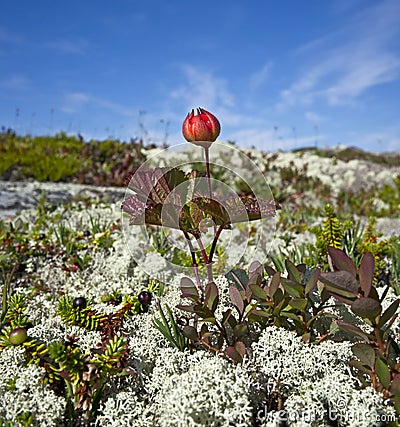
[239, 278]
[214, 209]
[278, 296]
[190, 332]
[259, 313]
[365, 353]
[175, 177]
[202, 311]
[389, 313]
[366, 308]
[298, 303]
[383, 372]
[190, 217]
[396, 401]
[312, 281]
[293, 273]
[259, 292]
[291, 315]
[239, 330]
[292, 288]
[366, 272]
[342, 261]
[225, 317]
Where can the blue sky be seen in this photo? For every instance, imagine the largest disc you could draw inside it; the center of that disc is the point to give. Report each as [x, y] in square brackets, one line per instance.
[278, 74]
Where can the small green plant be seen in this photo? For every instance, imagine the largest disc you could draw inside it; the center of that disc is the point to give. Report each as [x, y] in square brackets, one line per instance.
[170, 329]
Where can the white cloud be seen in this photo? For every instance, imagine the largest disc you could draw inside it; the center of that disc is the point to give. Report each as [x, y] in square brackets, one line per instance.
[76, 100]
[68, 46]
[202, 88]
[16, 82]
[314, 117]
[345, 64]
[259, 77]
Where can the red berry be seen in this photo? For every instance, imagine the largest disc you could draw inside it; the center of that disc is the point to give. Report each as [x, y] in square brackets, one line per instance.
[79, 302]
[18, 336]
[202, 128]
[144, 298]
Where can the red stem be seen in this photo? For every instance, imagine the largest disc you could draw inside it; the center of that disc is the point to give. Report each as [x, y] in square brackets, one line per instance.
[206, 259]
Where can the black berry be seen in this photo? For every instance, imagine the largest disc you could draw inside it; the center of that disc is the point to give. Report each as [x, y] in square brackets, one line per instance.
[144, 298]
[86, 233]
[18, 336]
[5, 325]
[79, 302]
[29, 325]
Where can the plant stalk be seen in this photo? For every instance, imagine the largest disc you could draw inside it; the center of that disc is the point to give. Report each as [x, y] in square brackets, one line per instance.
[206, 259]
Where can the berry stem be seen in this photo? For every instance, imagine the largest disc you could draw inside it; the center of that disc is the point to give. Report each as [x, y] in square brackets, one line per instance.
[207, 155]
[214, 243]
[194, 262]
[206, 259]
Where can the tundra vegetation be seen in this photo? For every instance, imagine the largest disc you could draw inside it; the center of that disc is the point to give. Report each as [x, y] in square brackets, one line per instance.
[308, 336]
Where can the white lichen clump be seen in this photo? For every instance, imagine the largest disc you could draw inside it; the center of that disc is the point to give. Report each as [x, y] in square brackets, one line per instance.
[22, 394]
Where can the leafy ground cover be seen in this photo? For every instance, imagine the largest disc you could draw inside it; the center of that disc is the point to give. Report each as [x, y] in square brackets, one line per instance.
[309, 336]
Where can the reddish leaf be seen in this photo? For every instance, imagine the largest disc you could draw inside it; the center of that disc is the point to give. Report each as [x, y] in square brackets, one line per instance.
[190, 332]
[237, 299]
[341, 261]
[352, 329]
[340, 281]
[256, 273]
[270, 271]
[256, 267]
[366, 308]
[274, 284]
[366, 272]
[395, 385]
[188, 289]
[187, 308]
[233, 354]
[365, 353]
[360, 366]
[211, 296]
[240, 348]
